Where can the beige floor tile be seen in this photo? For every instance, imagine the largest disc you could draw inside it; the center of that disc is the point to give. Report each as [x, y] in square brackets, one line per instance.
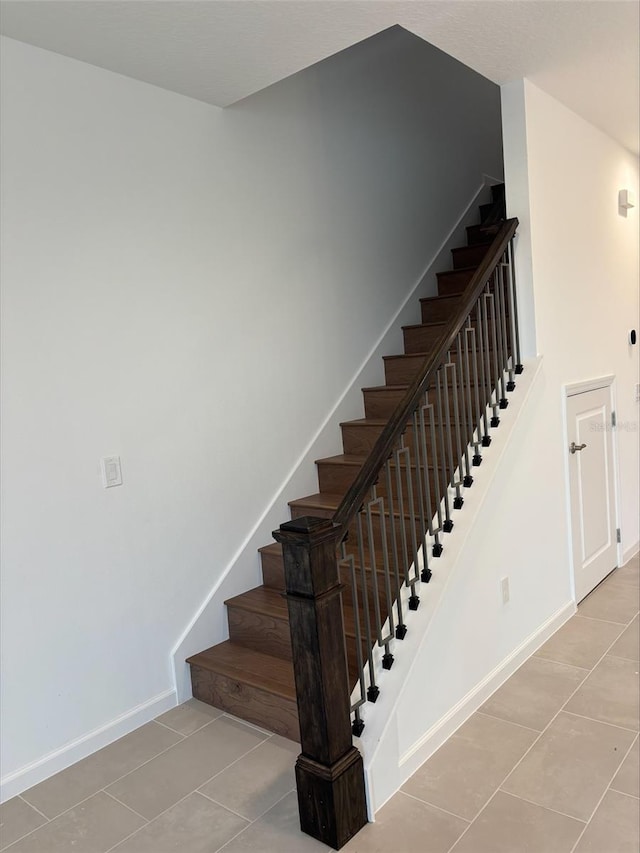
[405, 825]
[571, 765]
[277, 831]
[535, 693]
[17, 818]
[627, 779]
[462, 775]
[628, 645]
[613, 601]
[580, 642]
[92, 827]
[195, 825]
[511, 825]
[88, 776]
[610, 694]
[189, 717]
[168, 778]
[630, 572]
[256, 782]
[614, 827]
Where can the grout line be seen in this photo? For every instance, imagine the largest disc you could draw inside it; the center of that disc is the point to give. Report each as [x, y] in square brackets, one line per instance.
[222, 805]
[537, 740]
[538, 805]
[244, 829]
[35, 808]
[608, 621]
[433, 805]
[602, 722]
[621, 657]
[604, 794]
[624, 793]
[141, 816]
[503, 720]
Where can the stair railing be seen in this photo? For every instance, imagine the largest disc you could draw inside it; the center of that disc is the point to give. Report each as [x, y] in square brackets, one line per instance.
[383, 536]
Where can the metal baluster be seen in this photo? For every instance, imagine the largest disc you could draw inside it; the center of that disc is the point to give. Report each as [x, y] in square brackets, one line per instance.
[484, 379]
[495, 420]
[500, 361]
[417, 447]
[491, 308]
[456, 459]
[478, 420]
[383, 642]
[401, 628]
[357, 726]
[457, 501]
[465, 397]
[508, 345]
[514, 292]
[435, 532]
[414, 601]
[442, 470]
[373, 691]
[475, 422]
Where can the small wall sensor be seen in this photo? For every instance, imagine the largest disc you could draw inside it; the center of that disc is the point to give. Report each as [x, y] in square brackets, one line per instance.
[626, 199]
[633, 337]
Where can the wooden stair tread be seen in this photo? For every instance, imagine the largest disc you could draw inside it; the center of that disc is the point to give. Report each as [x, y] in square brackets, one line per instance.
[261, 599]
[319, 500]
[275, 675]
[274, 548]
[386, 388]
[349, 459]
[376, 422]
[438, 297]
[271, 602]
[427, 325]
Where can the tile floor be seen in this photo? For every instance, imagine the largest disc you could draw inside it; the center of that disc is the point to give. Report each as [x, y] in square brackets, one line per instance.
[548, 765]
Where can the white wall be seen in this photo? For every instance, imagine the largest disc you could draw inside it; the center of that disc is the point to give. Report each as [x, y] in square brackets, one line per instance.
[193, 290]
[577, 265]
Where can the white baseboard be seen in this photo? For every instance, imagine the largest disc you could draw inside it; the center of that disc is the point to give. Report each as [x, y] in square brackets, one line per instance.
[31, 774]
[630, 552]
[447, 725]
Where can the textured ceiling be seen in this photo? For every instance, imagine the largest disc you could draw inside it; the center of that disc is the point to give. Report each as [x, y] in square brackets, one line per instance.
[583, 52]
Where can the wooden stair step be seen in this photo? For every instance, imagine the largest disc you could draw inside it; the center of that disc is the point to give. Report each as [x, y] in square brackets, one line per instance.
[272, 566]
[381, 401]
[436, 309]
[469, 256]
[482, 232]
[259, 620]
[249, 684]
[421, 337]
[454, 281]
[277, 576]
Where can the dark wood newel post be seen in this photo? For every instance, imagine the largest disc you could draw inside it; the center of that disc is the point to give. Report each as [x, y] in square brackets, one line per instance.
[329, 770]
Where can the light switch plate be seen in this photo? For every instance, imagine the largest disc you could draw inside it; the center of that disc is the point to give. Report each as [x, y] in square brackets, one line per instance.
[111, 471]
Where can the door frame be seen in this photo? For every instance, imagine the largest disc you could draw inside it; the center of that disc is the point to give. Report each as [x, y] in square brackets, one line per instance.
[570, 389]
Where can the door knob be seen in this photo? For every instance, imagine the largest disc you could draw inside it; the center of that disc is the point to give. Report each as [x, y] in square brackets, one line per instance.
[574, 448]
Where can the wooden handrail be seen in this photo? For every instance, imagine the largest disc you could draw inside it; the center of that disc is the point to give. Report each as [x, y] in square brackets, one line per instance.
[397, 424]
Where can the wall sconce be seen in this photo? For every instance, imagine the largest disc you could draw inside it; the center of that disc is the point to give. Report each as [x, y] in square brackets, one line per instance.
[626, 200]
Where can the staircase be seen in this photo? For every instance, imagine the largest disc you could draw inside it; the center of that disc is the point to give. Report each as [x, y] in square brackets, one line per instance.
[251, 674]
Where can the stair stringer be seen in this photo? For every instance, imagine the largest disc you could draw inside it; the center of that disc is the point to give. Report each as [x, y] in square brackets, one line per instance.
[208, 626]
[425, 697]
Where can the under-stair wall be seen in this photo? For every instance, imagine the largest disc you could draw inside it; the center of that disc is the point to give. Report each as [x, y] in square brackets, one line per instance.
[191, 289]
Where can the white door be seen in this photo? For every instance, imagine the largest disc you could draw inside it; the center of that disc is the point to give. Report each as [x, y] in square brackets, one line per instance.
[591, 480]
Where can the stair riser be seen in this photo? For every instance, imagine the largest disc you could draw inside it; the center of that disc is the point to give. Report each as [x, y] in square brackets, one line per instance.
[335, 479]
[468, 256]
[256, 706]
[260, 632]
[481, 233]
[450, 283]
[402, 371]
[382, 403]
[439, 310]
[422, 338]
